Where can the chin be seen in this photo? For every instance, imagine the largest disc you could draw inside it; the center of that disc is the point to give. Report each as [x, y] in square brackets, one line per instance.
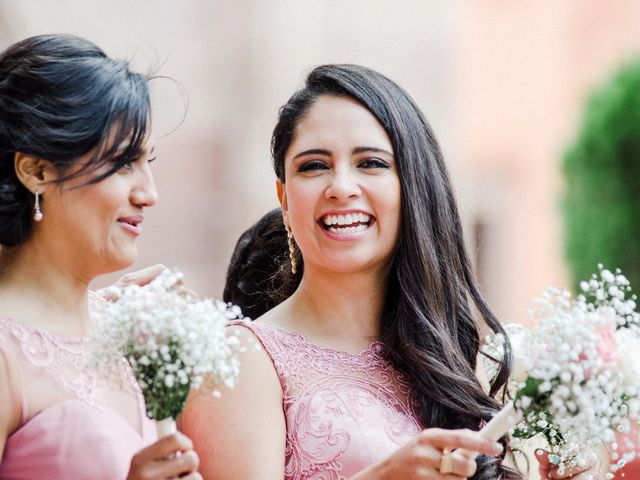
[122, 261]
[351, 264]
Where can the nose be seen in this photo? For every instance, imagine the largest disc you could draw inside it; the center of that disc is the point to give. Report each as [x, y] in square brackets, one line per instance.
[144, 193]
[343, 185]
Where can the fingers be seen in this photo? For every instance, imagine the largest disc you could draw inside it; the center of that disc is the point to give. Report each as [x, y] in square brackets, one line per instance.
[571, 473]
[160, 450]
[453, 439]
[429, 460]
[144, 277]
[463, 466]
[187, 463]
[549, 469]
[154, 462]
[545, 464]
[141, 277]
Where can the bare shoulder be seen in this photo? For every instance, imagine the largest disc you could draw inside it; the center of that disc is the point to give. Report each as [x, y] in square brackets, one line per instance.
[226, 429]
[280, 317]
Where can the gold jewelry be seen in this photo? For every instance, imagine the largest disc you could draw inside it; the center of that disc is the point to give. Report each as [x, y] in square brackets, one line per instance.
[446, 462]
[292, 250]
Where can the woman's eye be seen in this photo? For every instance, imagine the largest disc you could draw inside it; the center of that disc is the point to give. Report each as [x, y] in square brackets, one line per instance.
[312, 166]
[152, 159]
[126, 166]
[374, 163]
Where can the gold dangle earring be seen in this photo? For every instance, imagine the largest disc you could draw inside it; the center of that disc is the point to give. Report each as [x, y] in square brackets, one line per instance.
[292, 250]
[37, 213]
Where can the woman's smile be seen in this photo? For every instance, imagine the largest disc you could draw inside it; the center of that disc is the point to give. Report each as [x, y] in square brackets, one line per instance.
[346, 224]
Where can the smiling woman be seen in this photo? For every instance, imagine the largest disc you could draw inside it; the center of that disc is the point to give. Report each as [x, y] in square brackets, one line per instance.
[368, 369]
[74, 182]
[347, 192]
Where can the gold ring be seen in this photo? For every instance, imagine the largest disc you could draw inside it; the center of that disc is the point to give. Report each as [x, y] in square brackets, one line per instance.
[446, 462]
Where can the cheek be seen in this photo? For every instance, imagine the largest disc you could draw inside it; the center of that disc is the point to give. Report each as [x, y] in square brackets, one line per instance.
[393, 202]
[96, 204]
[301, 201]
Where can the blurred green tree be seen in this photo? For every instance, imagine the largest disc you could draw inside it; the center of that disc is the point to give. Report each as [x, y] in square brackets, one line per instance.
[602, 171]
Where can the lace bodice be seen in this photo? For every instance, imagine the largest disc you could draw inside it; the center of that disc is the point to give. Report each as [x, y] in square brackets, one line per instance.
[68, 427]
[343, 411]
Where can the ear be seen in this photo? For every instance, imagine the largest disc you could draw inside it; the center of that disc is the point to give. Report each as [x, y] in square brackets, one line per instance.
[282, 198]
[34, 173]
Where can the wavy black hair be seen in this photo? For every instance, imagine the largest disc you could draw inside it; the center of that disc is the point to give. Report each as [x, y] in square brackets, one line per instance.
[62, 97]
[428, 327]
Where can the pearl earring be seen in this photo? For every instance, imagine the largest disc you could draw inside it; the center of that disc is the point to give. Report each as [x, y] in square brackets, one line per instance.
[37, 213]
[292, 250]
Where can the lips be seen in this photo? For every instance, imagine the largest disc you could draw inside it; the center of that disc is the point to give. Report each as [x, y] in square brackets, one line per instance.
[131, 224]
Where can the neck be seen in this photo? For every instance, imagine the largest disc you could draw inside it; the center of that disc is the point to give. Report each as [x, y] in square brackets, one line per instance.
[342, 306]
[38, 288]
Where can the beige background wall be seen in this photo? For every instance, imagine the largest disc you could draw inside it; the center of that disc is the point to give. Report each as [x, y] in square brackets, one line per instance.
[502, 83]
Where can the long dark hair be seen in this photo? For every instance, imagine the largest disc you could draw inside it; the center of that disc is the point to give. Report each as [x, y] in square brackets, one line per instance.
[428, 326]
[62, 97]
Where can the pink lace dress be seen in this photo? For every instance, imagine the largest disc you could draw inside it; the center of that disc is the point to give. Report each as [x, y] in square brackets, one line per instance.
[343, 411]
[68, 429]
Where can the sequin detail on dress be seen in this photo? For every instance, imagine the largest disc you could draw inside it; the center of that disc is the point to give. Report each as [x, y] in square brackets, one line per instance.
[343, 411]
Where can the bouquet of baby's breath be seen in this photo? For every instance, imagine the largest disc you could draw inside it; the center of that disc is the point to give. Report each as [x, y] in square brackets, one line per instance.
[577, 374]
[172, 342]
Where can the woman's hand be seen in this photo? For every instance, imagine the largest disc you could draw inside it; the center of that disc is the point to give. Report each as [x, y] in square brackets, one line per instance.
[140, 277]
[155, 463]
[549, 470]
[422, 457]
[145, 277]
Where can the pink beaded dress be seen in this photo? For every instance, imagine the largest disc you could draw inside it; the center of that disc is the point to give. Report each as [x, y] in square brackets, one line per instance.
[69, 428]
[343, 411]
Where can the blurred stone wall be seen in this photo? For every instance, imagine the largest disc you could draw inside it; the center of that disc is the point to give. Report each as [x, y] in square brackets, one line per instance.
[501, 82]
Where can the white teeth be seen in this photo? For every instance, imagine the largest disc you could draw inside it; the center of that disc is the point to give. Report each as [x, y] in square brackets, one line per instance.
[348, 219]
[348, 230]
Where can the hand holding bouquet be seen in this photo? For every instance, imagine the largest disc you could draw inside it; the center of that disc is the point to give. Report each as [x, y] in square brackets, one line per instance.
[577, 374]
[171, 341]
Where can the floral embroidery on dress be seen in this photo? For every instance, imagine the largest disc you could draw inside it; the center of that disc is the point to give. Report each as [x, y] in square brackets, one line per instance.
[63, 358]
[343, 411]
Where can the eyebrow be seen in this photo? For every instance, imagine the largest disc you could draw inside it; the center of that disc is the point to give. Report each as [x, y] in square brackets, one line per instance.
[322, 151]
[371, 149]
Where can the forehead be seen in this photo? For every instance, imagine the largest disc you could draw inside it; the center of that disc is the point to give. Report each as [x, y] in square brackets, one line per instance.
[336, 120]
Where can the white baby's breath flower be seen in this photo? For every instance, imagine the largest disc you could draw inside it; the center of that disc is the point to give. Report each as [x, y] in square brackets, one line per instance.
[172, 342]
[582, 363]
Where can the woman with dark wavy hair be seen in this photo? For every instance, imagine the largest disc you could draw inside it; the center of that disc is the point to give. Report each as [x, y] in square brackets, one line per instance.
[368, 370]
[75, 179]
